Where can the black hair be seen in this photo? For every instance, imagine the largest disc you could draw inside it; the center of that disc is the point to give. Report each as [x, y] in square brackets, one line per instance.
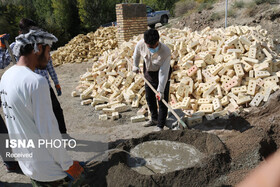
[27, 49]
[25, 24]
[43, 51]
[151, 36]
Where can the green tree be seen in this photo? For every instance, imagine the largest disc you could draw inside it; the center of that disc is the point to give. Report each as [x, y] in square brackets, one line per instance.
[28, 9]
[94, 13]
[10, 14]
[161, 5]
[44, 12]
[66, 19]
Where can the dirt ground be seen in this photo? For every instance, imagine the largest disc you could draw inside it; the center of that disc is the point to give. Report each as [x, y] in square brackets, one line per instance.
[245, 141]
[118, 173]
[266, 15]
[234, 146]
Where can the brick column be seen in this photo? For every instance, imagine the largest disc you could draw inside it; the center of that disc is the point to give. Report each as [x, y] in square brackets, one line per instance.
[131, 20]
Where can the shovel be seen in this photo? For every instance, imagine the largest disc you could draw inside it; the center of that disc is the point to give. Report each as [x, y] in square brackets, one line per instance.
[164, 102]
[10, 51]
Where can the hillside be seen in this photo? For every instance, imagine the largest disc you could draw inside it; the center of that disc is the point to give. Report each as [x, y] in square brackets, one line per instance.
[246, 13]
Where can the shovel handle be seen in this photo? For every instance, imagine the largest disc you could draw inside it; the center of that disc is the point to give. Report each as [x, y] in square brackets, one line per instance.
[10, 51]
[164, 102]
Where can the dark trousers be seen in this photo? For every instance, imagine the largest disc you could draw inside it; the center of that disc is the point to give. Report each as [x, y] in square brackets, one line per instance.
[3, 150]
[58, 112]
[160, 114]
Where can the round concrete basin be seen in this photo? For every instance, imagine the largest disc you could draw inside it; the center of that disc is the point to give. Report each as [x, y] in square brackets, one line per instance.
[161, 156]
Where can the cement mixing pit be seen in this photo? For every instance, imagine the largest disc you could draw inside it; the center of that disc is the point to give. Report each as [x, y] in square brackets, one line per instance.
[213, 163]
[162, 156]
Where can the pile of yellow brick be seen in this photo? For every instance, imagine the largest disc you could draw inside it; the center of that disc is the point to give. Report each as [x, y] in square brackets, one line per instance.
[215, 72]
[85, 47]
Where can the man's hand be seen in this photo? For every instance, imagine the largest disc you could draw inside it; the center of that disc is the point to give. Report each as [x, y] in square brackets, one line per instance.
[4, 37]
[58, 89]
[159, 96]
[135, 69]
[75, 171]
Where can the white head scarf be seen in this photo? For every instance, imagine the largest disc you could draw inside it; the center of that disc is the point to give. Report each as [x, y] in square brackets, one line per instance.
[33, 37]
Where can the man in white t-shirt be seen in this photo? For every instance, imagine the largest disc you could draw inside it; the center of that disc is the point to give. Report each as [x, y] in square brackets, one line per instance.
[29, 116]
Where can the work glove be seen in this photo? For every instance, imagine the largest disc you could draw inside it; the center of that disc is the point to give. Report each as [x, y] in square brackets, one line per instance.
[159, 96]
[4, 37]
[75, 171]
[58, 89]
[135, 69]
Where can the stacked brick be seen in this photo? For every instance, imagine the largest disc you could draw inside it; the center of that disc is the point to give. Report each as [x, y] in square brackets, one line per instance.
[83, 48]
[215, 72]
[131, 21]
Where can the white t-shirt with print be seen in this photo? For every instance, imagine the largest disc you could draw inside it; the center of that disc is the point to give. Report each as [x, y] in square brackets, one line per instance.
[28, 113]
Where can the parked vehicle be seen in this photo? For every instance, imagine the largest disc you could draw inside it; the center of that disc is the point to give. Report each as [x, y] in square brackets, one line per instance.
[113, 23]
[153, 17]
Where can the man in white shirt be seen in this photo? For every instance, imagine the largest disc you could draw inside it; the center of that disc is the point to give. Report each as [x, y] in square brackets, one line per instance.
[29, 116]
[157, 71]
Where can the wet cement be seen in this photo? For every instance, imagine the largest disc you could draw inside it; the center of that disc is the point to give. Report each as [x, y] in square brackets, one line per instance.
[117, 172]
[242, 143]
[162, 156]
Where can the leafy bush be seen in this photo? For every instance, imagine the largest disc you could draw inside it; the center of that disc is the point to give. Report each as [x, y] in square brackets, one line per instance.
[206, 1]
[238, 4]
[207, 6]
[188, 6]
[215, 16]
[231, 13]
[250, 9]
[157, 4]
[182, 7]
[258, 2]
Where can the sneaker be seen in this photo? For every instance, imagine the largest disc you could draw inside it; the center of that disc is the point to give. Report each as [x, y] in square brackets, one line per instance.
[175, 128]
[151, 123]
[157, 129]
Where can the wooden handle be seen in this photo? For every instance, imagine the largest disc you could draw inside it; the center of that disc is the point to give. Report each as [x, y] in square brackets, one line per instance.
[10, 51]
